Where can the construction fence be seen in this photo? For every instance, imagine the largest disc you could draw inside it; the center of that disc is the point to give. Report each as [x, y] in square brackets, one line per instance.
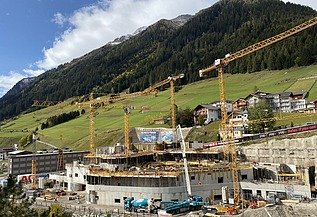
[85, 211]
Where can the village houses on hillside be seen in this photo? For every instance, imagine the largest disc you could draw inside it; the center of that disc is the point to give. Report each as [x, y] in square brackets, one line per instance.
[238, 109]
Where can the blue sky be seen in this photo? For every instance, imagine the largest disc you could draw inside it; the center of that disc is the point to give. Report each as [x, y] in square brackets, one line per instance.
[37, 35]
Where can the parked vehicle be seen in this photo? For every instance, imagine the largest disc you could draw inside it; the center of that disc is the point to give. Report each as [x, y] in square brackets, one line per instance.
[173, 207]
[140, 205]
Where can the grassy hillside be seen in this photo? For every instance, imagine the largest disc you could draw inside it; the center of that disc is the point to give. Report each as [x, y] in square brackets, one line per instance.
[109, 120]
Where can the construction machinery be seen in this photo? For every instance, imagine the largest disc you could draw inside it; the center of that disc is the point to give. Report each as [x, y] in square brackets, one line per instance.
[171, 80]
[93, 105]
[153, 89]
[188, 187]
[127, 111]
[219, 64]
[172, 207]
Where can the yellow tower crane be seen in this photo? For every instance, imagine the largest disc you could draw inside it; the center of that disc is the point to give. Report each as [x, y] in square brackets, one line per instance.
[219, 65]
[151, 89]
[171, 80]
[127, 111]
[93, 105]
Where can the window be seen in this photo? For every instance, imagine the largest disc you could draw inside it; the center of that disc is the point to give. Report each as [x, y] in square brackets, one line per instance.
[76, 174]
[245, 176]
[217, 197]
[84, 177]
[220, 179]
[116, 200]
[192, 178]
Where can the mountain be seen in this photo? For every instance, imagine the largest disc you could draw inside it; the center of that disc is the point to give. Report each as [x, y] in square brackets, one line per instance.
[182, 45]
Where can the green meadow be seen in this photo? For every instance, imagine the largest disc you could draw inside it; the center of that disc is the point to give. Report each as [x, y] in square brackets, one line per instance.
[109, 120]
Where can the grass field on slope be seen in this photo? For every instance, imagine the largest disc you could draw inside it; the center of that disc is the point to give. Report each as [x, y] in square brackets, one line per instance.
[109, 120]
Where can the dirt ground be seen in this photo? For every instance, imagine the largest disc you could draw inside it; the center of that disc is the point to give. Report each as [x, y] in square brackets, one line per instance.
[294, 210]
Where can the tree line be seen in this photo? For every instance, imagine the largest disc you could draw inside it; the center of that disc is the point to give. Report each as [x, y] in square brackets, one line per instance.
[62, 118]
[165, 48]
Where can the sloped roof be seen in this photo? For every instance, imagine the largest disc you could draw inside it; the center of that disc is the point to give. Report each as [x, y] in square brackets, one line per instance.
[19, 152]
[207, 106]
[286, 94]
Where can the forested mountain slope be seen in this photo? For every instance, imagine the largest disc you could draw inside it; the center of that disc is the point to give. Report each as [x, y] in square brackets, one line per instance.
[170, 47]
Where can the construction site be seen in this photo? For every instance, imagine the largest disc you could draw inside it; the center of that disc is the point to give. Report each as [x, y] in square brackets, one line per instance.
[154, 170]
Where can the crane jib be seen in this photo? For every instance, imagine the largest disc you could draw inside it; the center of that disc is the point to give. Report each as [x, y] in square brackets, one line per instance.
[262, 44]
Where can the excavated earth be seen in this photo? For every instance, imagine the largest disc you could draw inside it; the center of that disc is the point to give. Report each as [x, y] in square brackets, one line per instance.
[294, 210]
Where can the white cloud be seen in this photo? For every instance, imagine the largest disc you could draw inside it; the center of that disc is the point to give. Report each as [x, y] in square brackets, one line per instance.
[93, 26]
[59, 19]
[7, 81]
[310, 3]
[32, 72]
[96, 25]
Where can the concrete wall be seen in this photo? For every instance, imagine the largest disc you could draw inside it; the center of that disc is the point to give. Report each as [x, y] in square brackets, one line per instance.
[202, 184]
[275, 187]
[115, 195]
[75, 176]
[300, 151]
[205, 184]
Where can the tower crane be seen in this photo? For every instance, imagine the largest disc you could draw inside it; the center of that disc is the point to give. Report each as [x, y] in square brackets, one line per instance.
[127, 111]
[219, 64]
[93, 104]
[171, 80]
[151, 89]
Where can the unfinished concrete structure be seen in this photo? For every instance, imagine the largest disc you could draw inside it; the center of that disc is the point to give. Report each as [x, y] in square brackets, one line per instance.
[299, 151]
[161, 176]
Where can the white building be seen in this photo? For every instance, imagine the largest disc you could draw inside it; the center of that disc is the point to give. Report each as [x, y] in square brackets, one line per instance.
[111, 187]
[239, 121]
[209, 113]
[108, 185]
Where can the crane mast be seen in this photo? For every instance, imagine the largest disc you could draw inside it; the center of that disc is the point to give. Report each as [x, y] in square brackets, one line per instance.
[127, 110]
[171, 80]
[219, 64]
[92, 139]
[173, 105]
[126, 130]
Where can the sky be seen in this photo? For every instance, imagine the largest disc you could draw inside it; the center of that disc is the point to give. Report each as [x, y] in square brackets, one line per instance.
[38, 35]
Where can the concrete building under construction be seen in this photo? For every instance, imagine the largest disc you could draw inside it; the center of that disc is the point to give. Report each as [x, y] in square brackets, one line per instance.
[161, 175]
